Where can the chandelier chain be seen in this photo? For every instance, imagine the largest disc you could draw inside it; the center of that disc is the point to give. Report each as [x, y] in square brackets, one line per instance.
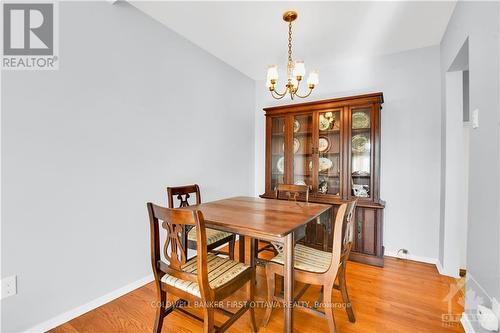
[290, 42]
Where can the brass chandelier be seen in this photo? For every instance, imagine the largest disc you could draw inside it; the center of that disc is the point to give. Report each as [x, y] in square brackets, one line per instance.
[295, 70]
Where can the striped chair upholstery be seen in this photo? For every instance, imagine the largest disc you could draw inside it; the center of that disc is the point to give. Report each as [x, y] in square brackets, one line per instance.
[220, 271]
[308, 259]
[212, 235]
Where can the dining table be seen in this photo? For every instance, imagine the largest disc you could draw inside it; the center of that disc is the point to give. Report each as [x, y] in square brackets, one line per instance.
[265, 219]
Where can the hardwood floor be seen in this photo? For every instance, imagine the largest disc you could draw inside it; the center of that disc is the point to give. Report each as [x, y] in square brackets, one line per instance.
[404, 296]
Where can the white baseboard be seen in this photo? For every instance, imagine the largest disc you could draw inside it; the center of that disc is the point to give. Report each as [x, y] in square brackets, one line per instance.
[412, 257]
[71, 314]
[440, 268]
[466, 324]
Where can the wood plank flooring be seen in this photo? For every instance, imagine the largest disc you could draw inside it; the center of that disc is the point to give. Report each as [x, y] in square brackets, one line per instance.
[404, 296]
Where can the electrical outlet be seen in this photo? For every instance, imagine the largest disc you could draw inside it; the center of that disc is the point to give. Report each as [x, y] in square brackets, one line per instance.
[495, 306]
[9, 286]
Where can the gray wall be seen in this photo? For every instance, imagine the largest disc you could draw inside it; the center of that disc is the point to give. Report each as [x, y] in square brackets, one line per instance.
[479, 21]
[133, 108]
[410, 139]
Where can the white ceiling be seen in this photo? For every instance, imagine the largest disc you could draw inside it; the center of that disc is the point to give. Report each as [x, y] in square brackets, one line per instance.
[251, 35]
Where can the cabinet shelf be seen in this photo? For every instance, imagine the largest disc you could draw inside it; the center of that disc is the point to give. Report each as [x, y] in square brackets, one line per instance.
[361, 130]
[334, 131]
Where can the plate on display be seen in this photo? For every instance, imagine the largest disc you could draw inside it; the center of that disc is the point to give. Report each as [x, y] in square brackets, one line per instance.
[324, 124]
[296, 145]
[359, 143]
[360, 120]
[296, 126]
[300, 182]
[323, 144]
[323, 165]
[281, 165]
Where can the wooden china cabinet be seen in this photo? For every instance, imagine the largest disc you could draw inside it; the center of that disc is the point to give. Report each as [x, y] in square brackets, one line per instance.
[333, 146]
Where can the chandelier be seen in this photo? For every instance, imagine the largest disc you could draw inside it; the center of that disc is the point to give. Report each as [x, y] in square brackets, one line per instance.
[295, 70]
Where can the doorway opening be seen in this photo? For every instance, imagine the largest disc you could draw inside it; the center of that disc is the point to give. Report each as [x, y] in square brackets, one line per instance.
[455, 164]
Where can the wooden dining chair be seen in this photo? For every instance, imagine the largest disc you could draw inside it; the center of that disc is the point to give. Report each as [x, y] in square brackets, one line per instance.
[284, 192]
[215, 238]
[204, 279]
[312, 266]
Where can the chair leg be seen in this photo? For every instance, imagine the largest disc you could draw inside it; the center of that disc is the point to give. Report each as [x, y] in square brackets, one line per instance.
[345, 295]
[208, 320]
[251, 297]
[231, 247]
[271, 285]
[320, 297]
[160, 312]
[328, 303]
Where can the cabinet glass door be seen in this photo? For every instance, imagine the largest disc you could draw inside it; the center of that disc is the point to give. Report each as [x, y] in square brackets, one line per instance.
[361, 152]
[277, 152]
[302, 148]
[329, 153]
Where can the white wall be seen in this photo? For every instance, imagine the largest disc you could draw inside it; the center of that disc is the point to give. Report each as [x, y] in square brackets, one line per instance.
[133, 108]
[479, 21]
[410, 139]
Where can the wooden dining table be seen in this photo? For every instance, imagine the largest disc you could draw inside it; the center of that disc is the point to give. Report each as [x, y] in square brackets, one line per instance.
[265, 219]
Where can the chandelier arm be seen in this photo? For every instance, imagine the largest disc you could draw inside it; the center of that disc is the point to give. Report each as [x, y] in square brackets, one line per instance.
[275, 95]
[304, 96]
[280, 94]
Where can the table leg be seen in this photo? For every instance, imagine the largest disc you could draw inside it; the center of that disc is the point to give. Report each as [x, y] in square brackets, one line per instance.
[241, 248]
[288, 282]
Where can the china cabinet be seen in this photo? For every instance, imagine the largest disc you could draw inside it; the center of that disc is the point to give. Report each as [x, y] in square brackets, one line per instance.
[332, 146]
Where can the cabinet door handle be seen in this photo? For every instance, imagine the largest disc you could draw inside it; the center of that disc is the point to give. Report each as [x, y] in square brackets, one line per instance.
[360, 228]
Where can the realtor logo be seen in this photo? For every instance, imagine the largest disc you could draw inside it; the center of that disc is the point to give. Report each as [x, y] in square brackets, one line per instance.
[29, 36]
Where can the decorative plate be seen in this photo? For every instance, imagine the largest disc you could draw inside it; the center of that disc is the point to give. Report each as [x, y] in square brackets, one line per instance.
[281, 164]
[360, 120]
[324, 124]
[296, 126]
[296, 145]
[300, 182]
[323, 144]
[359, 143]
[324, 164]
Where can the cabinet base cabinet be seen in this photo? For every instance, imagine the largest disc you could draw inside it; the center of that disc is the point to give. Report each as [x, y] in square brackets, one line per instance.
[367, 247]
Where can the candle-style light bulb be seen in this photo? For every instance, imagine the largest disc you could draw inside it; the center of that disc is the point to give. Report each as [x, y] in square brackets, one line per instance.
[313, 78]
[299, 69]
[272, 73]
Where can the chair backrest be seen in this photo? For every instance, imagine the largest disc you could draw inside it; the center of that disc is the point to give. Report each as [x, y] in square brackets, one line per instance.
[348, 231]
[337, 240]
[173, 221]
[183, 194]
[292, 191]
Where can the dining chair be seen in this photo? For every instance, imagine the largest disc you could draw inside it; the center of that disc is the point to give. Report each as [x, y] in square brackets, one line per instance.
[284, 192]
[215, 238]
[205, 279]
[313, 266]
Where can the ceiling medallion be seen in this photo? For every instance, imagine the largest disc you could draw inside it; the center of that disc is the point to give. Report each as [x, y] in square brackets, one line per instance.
[295, 70]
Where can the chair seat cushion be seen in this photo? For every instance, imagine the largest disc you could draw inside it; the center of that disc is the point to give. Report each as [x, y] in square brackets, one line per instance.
[212, 235]
[220, 271]
[308, 259]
